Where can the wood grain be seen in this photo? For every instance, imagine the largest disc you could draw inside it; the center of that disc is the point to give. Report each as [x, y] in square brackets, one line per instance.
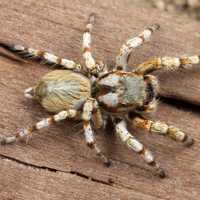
[57, 164]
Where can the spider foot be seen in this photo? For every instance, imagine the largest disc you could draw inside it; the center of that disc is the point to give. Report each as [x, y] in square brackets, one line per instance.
[7, 140]
[160, 172]
[2, 140]
[107, 162]
[28, 137]
[188, 142]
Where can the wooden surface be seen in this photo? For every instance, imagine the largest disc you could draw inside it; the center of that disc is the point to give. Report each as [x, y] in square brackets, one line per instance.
[57, 164]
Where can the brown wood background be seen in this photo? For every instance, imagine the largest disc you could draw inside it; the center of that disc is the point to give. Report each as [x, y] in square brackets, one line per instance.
[57, 164]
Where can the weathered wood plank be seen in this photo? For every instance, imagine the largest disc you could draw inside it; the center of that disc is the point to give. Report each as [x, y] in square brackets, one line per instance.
[67, 151]
[57, 26]
[21, 182]
[128, 176]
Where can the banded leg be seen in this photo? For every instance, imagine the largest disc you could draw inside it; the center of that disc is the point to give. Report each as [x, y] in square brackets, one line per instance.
[88, 108]
[87, 55]
[97, 118]
[42, 56]
[92, 66]
[26, 132]
[162, 128]
[126, 49]
[166, 63]
[136, 146]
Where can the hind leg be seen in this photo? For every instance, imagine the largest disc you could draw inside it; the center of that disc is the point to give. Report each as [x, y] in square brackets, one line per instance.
[42, 56]
[27, 132]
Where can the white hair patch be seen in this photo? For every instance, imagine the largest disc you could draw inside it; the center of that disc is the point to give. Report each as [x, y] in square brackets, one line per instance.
[50, 57]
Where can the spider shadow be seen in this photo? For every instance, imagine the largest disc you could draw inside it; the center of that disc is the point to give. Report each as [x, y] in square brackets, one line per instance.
[109, 138]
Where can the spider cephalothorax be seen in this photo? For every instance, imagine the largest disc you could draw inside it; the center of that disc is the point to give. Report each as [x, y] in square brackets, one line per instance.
[121, 91]
[94, 94]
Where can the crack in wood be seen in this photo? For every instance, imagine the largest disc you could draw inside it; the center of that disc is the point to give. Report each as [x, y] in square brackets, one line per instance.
[33, 166]
[110, 181]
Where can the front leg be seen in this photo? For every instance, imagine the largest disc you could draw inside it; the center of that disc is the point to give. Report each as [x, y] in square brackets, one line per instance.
[166, 63]
[136, 146]
[126, 49]
[162, 128]
[93, 67]
[88, 108]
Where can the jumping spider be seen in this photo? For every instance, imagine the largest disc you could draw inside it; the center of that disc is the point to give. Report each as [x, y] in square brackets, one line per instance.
[94, 94]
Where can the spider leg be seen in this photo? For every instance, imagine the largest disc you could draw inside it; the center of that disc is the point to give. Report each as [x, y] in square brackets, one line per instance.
[136, 146]
[41, 56]
[97, 118]
[92, 66]
[87, 55]
[126, 49]
[166, 63]
[162, 128]
[88, 108]
[26, 132]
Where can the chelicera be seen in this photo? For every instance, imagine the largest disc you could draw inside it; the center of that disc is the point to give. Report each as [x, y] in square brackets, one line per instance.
[97, 95]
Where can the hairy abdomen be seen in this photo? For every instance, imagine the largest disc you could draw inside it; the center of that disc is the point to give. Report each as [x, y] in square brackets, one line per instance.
[62, 89]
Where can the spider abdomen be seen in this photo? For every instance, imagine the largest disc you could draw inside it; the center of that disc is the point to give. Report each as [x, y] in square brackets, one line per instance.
[61, 90]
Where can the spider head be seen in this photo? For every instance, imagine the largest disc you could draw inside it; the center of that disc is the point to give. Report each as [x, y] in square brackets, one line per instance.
[120, 91]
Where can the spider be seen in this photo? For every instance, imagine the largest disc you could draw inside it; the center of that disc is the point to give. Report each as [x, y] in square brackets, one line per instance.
[96, 95]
